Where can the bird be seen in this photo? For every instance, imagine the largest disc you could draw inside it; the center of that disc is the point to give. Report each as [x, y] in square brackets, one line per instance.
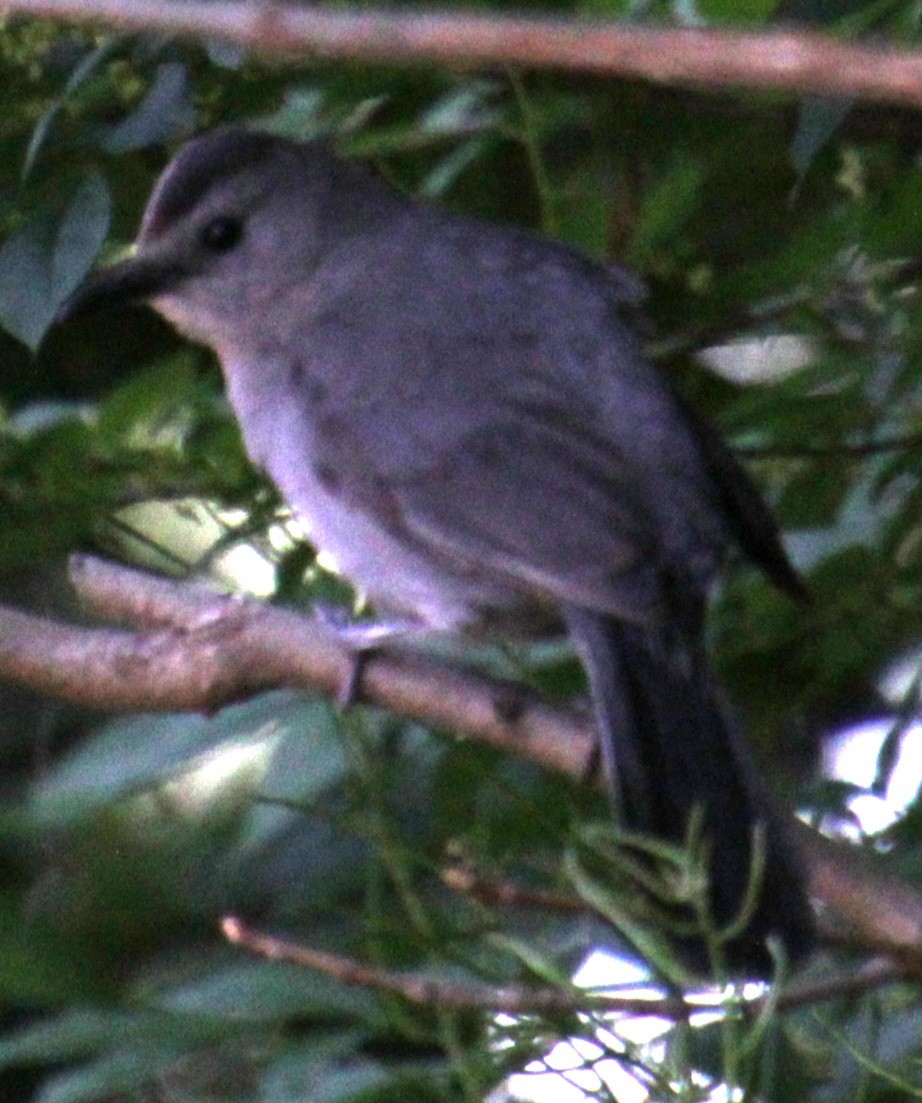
[462, 414]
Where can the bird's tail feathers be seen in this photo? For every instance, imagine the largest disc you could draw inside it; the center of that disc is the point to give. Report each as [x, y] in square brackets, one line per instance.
[671, 753]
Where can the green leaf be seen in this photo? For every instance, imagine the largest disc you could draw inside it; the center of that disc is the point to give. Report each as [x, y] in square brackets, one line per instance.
[813, 499]
[308, 759]
[265, 992]
[45, 260]
[118, 1074]
[135, 753]
[137, 411]
[666, 206]
[35, 966]
[327, 1065]
[352, 1080]
[78, 1032]
[165, 114]
[818, 119]
[85, 68]
[83, 1031]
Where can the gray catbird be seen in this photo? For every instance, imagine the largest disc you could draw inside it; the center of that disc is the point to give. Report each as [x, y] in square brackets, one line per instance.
[463, 417]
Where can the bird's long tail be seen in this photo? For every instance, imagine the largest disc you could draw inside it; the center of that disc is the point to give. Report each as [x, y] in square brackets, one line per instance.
[669, 748]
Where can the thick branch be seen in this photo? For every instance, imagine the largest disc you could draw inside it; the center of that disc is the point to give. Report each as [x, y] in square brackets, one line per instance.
[202, 650]
[207, 649]
[792, 61]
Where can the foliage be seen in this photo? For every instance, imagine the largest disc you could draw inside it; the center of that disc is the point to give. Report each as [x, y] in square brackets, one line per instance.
[124, 840]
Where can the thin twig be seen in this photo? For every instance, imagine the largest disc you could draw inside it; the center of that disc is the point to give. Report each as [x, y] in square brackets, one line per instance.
[521, 1000]
[794, 61]
[504, 894]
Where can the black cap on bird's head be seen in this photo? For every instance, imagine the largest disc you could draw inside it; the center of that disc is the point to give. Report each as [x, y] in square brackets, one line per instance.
[232, 208]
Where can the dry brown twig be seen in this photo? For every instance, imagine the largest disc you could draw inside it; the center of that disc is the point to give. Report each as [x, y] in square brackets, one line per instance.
[521, 1000]
[792, 61]
[504, 894]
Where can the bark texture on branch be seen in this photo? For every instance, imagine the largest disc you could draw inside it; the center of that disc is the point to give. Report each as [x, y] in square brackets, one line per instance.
[793, 61]
[201, 649]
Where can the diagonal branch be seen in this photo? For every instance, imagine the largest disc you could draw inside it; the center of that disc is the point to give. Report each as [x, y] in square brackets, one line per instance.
[793, 61]
[522, 1000]
[205, 649]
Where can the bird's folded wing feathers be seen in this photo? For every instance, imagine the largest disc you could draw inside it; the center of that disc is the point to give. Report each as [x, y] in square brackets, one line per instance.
[583, 535]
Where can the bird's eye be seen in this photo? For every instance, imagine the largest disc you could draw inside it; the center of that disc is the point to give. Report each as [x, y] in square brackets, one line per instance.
[222, 233]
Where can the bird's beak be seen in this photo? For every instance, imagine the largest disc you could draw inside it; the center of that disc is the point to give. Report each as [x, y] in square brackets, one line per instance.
[133, 280]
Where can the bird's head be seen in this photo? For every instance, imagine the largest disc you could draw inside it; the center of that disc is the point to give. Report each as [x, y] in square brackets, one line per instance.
[237, 219]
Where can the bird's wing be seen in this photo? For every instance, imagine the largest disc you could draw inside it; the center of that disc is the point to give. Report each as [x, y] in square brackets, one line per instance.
[543, 503]
[489, 402]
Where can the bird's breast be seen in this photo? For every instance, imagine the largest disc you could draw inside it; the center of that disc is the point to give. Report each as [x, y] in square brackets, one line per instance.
[280, 434]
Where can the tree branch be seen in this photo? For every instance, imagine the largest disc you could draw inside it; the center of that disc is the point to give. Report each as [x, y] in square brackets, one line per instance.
[200, 650]
[506, 895]
[793, 61]
[207, 649]
[521, 1000]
